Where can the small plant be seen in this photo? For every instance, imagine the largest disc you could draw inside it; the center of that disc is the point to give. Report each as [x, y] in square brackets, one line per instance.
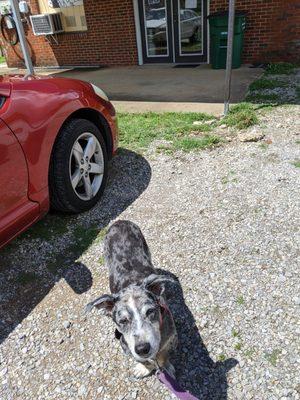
[101, 260]
[240, 300]
[273, 356]
[222, 357]
[281, 68]
[235, 333]
[296, 164]
[263, 146]
[238, 346]
[249, 353]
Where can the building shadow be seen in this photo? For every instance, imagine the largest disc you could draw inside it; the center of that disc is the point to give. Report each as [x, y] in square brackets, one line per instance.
[196, 372]
[33, 263]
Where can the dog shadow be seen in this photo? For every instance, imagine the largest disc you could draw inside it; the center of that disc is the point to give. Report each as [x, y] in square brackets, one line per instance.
[196, 372]
[32, 264]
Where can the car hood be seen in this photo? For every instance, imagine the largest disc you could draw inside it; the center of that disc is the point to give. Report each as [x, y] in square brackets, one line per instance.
[6, 81]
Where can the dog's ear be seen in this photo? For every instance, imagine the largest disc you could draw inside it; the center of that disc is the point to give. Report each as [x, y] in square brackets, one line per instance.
[104, 303]
[156, 283]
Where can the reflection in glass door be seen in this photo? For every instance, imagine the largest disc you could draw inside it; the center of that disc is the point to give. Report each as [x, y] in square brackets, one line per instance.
[190, 31]
[155, 16]
[190, 27]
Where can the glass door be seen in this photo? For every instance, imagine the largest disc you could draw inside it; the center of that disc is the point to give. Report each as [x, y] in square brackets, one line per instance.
[190, 31]
[156, 30]
[173, 31]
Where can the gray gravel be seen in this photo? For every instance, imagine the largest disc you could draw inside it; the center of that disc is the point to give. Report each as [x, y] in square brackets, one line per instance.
[224, 221]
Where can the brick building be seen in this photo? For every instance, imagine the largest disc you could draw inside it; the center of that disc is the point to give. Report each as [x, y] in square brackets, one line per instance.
[129, 32]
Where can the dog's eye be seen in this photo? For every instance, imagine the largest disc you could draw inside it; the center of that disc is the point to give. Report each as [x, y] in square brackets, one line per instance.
[150, 312]
[123, 321]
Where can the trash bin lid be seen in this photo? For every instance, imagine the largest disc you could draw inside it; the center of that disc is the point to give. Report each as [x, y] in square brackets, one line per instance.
[238, 13]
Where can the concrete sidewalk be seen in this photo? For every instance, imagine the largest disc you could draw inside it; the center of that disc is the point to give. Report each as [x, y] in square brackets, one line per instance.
[164, 83]
[148, 106]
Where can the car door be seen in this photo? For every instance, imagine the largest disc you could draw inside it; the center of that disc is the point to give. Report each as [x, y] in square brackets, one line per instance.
[16, 211]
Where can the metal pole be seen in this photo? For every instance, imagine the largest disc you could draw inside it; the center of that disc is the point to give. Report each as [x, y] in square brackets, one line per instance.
[20, 30]
[229, 55]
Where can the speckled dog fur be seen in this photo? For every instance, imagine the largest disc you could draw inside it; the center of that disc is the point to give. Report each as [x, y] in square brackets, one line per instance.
[137, 305]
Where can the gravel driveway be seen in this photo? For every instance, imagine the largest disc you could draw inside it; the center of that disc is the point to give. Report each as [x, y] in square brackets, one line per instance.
[224, 221]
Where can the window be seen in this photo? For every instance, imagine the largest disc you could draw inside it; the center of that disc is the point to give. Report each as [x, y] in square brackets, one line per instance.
[72, 12]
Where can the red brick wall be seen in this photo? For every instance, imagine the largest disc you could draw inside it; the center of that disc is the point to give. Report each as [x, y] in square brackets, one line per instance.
[109, 40]
[273, 34]
[273, 29]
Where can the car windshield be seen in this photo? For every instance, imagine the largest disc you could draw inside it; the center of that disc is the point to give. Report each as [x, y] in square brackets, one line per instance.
[156, 14]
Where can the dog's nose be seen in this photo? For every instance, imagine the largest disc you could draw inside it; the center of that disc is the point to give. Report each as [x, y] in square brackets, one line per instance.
[142, 349]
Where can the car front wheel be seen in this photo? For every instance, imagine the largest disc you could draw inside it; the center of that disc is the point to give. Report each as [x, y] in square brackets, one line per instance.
[78, 168]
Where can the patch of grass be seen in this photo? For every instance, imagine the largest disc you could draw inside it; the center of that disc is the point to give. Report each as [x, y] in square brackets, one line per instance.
[249, 353]
[222, 357]
[263, 146]
[2, 59]
[297, 141]
[240, 300]
[272, 356]
[228, 179]
[194, 143]
[101, 260]
[241, 116]
[263, 98]
[26, 277]
[137, 131]
[265, 83]
[84, 236]
[296, 164]
[51, 225]
[281, 68]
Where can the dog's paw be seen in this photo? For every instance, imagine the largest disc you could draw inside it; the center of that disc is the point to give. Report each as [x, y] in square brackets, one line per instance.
[170, 369]
[140, 371]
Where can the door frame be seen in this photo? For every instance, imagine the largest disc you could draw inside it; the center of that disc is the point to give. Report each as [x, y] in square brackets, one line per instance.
[154, 59]
[139, 43]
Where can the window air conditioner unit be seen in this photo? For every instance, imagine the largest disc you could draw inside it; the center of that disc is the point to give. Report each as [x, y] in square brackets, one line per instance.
[46, 24]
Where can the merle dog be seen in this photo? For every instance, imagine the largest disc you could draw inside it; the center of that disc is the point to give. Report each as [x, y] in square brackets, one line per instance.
[137, 304]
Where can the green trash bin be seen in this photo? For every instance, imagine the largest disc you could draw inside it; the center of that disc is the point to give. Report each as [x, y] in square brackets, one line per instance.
[218, 39]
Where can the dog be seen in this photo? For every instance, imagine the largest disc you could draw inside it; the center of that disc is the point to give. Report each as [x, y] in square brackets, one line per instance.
[137, 305]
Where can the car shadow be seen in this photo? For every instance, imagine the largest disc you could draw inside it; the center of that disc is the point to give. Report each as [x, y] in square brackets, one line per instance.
[33, 263]
[196, 372]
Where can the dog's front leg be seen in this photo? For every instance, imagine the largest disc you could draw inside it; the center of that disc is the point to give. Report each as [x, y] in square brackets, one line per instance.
[164, 362]
[141, 370]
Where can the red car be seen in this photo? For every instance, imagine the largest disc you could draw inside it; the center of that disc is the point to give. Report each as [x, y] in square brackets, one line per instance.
[56, 137]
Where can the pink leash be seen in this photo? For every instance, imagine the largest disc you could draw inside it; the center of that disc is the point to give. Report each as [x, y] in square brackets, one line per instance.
[173, 386]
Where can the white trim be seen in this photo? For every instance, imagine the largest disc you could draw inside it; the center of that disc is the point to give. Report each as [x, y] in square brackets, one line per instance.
[208, 36]
[179, 33]
[138, 32]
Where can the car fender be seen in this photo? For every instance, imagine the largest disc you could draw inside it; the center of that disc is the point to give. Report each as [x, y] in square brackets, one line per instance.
[37, 127]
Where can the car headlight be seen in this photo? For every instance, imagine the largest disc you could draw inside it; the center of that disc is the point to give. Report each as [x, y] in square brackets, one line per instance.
[99, 92]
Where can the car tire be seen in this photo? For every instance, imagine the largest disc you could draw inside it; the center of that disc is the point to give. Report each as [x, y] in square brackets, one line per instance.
[78, 167]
